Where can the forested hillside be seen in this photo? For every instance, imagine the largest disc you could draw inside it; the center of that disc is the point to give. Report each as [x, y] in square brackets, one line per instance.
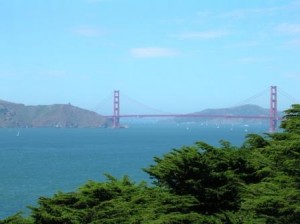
[258, 182]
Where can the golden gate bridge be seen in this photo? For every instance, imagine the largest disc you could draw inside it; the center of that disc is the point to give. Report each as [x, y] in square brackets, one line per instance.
[272, 117]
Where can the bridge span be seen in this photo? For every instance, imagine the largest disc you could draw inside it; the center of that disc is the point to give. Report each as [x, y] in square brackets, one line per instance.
[192, 115]
[273, 116]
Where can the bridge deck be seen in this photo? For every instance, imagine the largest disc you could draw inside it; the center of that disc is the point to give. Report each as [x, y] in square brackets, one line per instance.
[191, 115]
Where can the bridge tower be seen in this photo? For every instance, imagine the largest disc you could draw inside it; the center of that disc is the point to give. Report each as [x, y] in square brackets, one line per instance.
[116, 116]
[273, 108]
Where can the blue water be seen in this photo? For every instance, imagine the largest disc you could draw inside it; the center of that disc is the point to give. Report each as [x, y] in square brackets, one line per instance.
[40, 162]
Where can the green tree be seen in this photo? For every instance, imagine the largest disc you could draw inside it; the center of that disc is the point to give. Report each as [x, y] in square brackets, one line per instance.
[214, 176]
[255, 141]
[115, 201]
[291, 120]
[276, 198]
[16, 219]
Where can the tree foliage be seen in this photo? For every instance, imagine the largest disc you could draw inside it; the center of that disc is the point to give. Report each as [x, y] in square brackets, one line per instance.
[214, 176]
[256, 183]
[291, 120]
[115, 201]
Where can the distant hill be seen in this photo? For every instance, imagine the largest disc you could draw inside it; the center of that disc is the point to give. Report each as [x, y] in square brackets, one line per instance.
[248, 109]
[57, 115]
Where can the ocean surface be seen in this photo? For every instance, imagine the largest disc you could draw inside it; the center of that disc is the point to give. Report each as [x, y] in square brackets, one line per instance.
[40, 162]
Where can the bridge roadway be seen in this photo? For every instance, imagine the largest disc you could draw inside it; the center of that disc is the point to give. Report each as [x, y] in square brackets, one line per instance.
[190, 115]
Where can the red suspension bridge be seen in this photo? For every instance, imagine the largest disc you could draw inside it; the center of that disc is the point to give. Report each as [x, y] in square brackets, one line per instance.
[272, 117]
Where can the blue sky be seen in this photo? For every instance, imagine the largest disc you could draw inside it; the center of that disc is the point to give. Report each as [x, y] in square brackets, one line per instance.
[172, 55]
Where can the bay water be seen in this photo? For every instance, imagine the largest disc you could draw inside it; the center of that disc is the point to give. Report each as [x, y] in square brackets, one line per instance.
[41, 162]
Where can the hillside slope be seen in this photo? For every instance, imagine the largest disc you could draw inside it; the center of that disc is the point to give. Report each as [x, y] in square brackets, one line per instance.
[57, 115]
[244, 110]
